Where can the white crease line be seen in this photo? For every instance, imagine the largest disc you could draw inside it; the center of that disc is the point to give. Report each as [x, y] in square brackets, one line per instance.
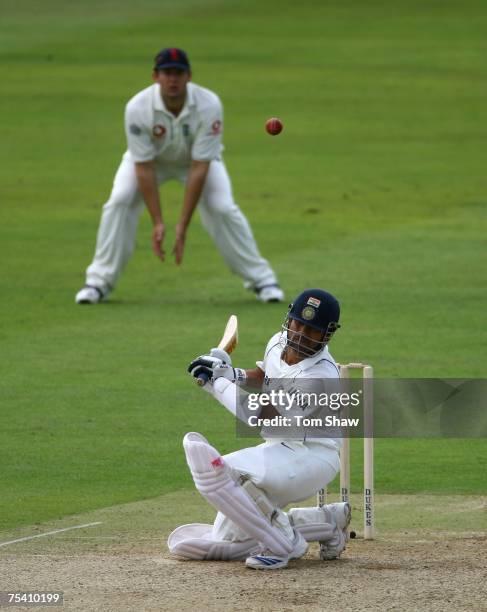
[41, 535]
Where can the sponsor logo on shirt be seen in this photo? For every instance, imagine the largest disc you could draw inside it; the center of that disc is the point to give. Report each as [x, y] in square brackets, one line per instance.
[135, 130]
[158, 130]
[185, 130]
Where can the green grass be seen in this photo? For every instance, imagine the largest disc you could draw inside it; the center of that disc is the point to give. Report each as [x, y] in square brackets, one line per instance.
[375, 190]
[144, 525]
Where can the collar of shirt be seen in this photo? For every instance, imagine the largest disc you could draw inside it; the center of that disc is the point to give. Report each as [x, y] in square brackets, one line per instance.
[309, 362]
[159, 105]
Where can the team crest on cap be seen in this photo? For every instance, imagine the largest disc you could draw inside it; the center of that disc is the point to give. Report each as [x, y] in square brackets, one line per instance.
[313, 302]
[308, 312]
[158, 130]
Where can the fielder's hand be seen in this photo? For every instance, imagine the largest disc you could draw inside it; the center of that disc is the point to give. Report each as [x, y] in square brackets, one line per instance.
[158, 240]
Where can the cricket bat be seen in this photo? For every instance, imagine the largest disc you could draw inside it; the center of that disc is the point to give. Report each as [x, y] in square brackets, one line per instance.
[228, 343]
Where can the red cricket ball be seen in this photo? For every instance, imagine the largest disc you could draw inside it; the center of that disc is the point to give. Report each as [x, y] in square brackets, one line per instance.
[273, 126]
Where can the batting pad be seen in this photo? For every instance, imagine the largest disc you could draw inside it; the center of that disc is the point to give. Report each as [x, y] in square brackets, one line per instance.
[194, 541]
[312, 524]
[212, 479]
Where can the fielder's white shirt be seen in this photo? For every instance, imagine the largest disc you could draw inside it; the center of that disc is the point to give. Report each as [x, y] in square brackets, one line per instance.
[153, 133]
[321, 366]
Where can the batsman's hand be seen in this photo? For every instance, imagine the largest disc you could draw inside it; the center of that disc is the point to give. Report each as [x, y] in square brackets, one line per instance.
[221, 354]
[235, 375]
[204, 364]
[158, 234]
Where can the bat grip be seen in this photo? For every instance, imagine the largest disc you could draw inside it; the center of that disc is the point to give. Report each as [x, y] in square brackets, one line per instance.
[202, 379]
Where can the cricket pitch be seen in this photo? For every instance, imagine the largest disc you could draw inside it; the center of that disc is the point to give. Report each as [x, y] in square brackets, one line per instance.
[430, 553]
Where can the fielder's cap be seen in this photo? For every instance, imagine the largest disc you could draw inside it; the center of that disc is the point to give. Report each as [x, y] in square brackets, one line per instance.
[172, 58]
[316, 308]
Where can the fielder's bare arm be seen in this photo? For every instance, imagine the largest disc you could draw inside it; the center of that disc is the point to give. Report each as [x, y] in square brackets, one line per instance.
[250, 487]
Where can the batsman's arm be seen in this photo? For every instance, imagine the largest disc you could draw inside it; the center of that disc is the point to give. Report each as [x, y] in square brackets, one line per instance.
[148, 187]
[255, 378]
[225, 392]
[224, 389]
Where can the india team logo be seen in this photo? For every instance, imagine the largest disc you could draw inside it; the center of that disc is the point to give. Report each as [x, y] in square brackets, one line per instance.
[158, 130]
[308, 312]
[216, 128]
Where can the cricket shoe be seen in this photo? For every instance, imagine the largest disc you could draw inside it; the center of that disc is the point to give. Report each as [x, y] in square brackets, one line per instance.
[89, 295]
[341, 515]
[270, 293]
[267, 561]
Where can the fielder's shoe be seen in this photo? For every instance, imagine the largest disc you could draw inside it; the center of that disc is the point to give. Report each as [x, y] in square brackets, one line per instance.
[89, 295]
[341, 514]
[266, 560]
[270, 293]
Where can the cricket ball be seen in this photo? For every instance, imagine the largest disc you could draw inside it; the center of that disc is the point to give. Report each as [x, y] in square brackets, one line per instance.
[273, 126]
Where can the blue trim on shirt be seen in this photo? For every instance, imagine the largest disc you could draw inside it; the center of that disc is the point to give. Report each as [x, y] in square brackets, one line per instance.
[332, 363]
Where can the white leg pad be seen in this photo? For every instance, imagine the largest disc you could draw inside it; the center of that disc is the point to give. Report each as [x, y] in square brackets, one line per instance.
[213, 480]
[312, 524]
[194, 541]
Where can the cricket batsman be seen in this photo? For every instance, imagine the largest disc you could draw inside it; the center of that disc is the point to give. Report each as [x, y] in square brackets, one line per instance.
[249, 488]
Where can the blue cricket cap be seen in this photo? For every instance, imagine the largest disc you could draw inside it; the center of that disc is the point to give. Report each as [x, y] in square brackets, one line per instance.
[316, 308]
[172, 58]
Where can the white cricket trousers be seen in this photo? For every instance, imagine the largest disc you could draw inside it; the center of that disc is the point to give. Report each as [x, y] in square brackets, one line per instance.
[221, 217]
[288, 472]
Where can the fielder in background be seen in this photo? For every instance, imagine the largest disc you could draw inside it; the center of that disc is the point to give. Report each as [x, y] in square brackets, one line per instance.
[250, 487]
[174, 132]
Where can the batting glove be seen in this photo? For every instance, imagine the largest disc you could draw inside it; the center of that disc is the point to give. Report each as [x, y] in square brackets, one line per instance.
[235, 375]
[204, 364]
[221, 354]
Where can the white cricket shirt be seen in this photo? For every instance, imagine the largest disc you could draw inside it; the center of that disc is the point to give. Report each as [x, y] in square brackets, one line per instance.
[153, 133]
[321, 366]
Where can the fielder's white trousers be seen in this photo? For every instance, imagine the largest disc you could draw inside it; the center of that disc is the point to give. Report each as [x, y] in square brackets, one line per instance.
[221, 217]
[287, 472]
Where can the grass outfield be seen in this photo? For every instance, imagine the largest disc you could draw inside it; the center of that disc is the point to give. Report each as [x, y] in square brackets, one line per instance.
[375, 190]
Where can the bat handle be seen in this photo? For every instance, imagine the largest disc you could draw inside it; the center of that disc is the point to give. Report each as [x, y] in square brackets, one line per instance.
[202, 379]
